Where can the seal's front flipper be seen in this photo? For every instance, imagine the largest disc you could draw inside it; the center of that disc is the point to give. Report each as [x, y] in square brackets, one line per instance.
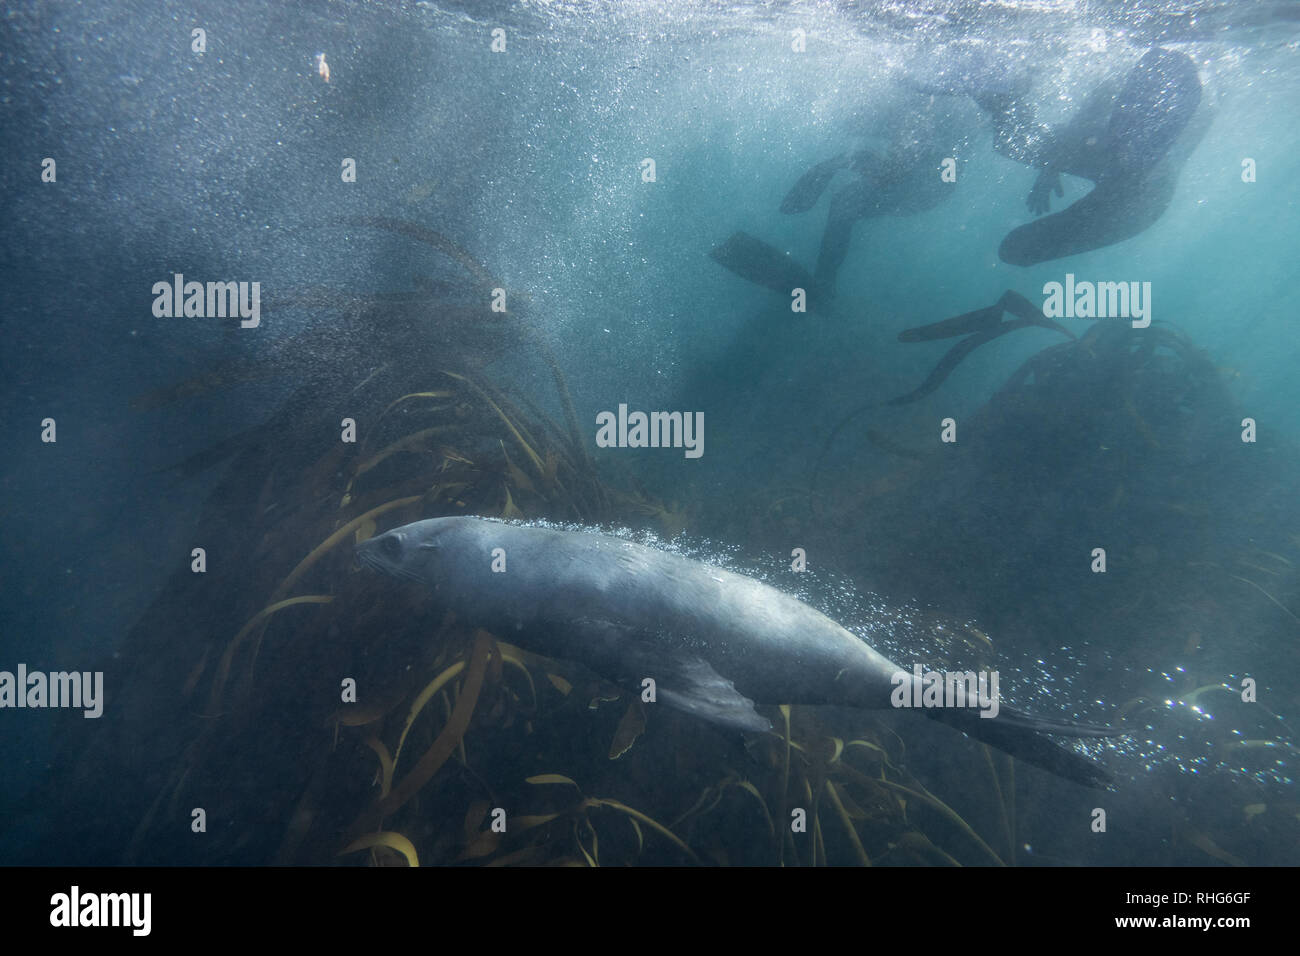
[691, 685]
[769, 267]
[805, 193]
[1021, 736]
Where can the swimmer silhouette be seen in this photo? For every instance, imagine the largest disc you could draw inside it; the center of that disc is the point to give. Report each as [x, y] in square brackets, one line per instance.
[1130, 137]
[900, 180]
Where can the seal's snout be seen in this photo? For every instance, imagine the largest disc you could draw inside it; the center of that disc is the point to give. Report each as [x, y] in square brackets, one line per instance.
[381, 553]
[392, 553]
[365, 555]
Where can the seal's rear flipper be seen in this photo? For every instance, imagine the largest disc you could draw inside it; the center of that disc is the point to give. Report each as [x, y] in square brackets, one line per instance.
[769, 267]
[1021, 736]
[804, 194]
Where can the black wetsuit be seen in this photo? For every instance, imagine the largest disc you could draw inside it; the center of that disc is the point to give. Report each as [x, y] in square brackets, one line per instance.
[900, 183]
[1130, 137]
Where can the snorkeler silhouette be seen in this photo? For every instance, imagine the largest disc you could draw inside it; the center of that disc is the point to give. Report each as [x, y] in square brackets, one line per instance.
[899, 182]
[1130, 137]
[901, 179]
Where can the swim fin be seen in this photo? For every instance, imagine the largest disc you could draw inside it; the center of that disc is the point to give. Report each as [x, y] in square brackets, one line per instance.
[769, 267]
[984, 325]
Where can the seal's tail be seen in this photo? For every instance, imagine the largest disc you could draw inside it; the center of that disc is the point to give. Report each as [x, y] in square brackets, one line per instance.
[1022, 736]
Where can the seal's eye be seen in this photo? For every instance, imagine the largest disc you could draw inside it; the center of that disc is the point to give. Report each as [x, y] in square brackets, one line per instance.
[392, 547]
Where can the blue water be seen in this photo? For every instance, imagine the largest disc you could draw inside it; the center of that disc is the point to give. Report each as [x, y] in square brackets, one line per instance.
[225, 164]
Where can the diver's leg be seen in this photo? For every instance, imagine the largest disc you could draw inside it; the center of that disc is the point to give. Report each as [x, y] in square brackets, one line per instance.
[1160, 95]
[834, 250]
[1115, 210]
[847, 206]
[805, 193]
[1130, 161]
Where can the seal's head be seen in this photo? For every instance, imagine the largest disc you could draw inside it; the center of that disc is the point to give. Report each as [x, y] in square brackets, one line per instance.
[411, 551]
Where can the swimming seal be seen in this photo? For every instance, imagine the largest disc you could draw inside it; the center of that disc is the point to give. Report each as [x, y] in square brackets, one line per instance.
[715, 642]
